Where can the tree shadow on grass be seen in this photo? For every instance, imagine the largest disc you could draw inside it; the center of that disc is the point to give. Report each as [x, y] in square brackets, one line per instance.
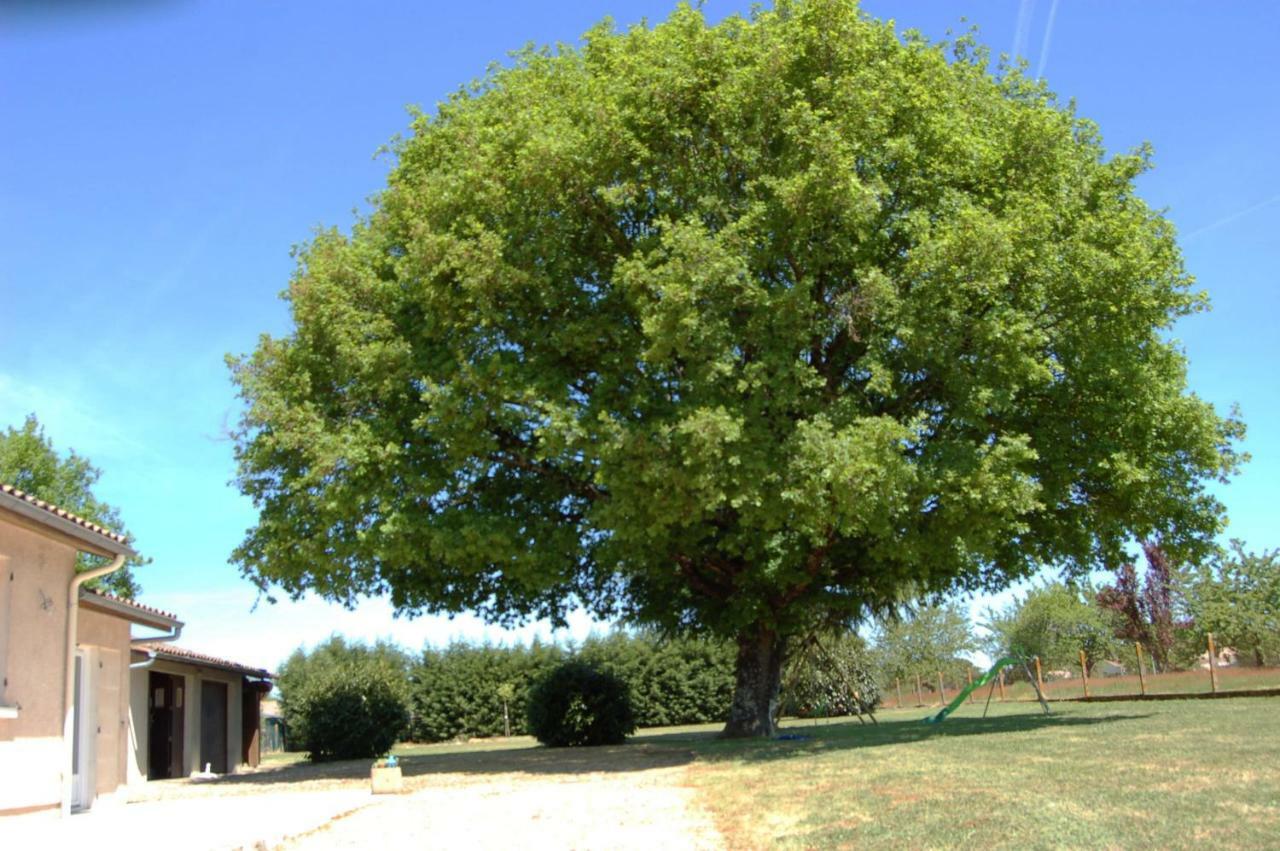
[644, 752]
[844, 736]
[526, 759]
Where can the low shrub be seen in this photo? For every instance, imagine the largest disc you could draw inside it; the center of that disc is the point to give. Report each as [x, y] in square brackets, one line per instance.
[579, 705]
[345, 701]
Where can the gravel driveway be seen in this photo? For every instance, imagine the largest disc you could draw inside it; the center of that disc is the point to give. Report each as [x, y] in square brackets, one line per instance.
[634, 810]
[488, 794]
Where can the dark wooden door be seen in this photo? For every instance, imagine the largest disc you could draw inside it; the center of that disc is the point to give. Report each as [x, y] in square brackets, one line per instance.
[213, 726]
[165, 728]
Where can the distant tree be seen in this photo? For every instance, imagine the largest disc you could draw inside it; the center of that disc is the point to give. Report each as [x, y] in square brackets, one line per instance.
[924, 640]
[1144, 612]
[1237, 598]
[738, 328]
[28, 461]
[1055, 622]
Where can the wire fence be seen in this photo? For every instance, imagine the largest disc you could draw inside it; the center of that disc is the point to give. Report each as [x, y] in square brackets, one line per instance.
[1218, 672]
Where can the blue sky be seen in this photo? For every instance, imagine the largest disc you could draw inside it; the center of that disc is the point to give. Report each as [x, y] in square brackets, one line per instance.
[159, 159]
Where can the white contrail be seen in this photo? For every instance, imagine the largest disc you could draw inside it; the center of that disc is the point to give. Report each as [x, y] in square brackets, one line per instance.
[1239, 214]
[1022, 29]
[1048, 39]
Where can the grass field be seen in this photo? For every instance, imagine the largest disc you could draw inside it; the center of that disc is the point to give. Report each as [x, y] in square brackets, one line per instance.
[1170, 774]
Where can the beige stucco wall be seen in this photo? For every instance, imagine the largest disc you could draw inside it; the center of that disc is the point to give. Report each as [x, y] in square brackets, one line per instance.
[138, 742]
[107, 640]
[31, 744]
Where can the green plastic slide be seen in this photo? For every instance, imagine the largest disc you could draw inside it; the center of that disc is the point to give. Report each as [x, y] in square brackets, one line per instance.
[978, 683]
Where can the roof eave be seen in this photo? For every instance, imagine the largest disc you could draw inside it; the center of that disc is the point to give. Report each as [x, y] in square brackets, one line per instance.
[41, 520]
[121, 609]
[194, 662]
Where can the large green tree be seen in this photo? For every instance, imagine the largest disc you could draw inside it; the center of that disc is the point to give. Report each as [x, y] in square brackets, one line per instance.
[1055, 622]
[922, 641]
[29, 462]
[747, 328]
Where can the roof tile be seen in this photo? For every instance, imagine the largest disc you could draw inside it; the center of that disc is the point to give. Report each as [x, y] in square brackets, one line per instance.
[134, 604]
[182, 654]
[62, 512]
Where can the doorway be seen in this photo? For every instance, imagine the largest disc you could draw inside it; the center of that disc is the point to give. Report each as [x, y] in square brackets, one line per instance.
[213, 726]
[82, 738]
[165, 726]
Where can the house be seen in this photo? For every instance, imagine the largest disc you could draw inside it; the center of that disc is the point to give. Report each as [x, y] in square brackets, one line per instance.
[1109, 668]
[1227, 658]
[193, 713]
[76, 707]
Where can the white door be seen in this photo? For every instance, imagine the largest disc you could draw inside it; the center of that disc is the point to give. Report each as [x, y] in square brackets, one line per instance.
[82, 741]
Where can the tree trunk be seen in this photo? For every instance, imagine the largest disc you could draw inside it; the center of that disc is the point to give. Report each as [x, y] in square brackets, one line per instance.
[758, 679]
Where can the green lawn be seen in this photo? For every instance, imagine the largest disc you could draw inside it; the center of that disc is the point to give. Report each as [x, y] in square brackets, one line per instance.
[1167, 774]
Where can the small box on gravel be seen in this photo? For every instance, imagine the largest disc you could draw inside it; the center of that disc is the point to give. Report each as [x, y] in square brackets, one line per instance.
[386, 779]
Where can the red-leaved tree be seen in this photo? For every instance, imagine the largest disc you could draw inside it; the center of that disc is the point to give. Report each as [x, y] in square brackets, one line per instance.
[1144, 612]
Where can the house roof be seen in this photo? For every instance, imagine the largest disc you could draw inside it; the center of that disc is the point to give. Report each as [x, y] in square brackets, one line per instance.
[128, 609]
[89, 535]
[172, 653]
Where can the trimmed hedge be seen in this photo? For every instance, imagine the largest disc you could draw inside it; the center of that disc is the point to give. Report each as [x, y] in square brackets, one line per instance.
[457, 692]
[466, 690]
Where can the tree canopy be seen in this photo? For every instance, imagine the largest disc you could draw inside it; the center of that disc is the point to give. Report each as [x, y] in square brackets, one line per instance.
[1236, 596]
[923, 641]
[1144, 613]
[1055, 622]
[29, 462]
[750, 328]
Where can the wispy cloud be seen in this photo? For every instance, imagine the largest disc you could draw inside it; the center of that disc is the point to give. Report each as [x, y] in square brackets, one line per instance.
[1238, 214]
[1022, 29]
[1048, 39]
[70, 420]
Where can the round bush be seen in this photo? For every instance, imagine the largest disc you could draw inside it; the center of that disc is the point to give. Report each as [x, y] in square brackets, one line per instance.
[351, 713]
[578, 705]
